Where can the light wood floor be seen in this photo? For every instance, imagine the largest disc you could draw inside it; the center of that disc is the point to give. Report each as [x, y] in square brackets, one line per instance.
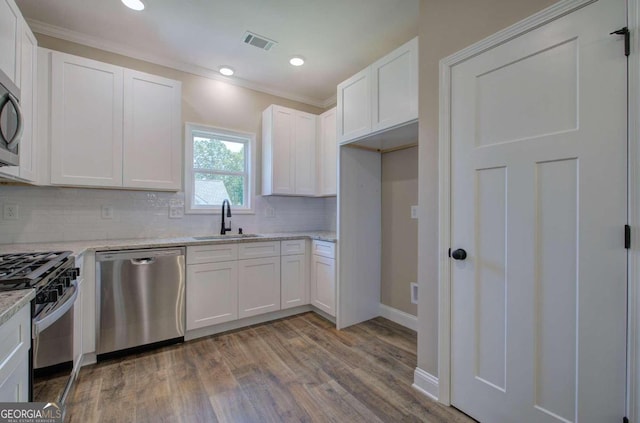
[298, 369]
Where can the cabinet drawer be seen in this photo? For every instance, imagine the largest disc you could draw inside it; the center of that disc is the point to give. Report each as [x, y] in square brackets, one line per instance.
[212, 253]
[258, 249]
[324, 249]
[293, 246]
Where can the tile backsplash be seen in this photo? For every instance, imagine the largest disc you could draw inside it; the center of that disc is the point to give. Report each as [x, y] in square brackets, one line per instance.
[49, 214]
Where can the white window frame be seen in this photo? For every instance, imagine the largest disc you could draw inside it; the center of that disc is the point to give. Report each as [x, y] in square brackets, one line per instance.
[248, 137]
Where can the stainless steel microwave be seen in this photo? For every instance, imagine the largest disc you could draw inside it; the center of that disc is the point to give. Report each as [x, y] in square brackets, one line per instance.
[11, 122]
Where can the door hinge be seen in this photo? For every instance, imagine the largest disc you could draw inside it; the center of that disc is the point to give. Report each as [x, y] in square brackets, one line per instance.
[627, 236]
[627, 39]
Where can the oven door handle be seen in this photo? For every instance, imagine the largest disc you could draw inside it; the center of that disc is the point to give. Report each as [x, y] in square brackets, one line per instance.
[50, 317]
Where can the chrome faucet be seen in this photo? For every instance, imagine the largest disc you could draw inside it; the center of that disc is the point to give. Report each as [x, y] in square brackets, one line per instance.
[224, 229]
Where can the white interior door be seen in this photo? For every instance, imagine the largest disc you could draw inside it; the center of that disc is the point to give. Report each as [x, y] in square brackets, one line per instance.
[539, 204]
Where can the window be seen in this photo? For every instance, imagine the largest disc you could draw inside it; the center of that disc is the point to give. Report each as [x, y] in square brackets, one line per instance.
[218, 167]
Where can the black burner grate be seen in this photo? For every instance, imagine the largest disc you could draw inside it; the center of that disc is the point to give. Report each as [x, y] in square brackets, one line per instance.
[24, 270]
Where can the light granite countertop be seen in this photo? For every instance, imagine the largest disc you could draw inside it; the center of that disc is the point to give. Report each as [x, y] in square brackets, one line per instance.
[79, 247]
[12, 301]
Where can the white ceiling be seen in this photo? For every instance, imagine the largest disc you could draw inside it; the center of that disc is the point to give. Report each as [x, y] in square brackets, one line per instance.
[336, 37]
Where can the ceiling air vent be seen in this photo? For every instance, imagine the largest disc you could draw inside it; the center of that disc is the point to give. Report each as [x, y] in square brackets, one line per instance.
[258, 41]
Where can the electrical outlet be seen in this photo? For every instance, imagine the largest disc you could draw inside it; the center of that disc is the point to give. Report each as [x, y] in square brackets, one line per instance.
[414, 212]
[270, 212]
[11, 212]
[107, 212]
[176, 212]
[414, 293]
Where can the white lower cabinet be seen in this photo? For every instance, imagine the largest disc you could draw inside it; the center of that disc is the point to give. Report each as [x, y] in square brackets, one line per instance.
[323, 278]
[294, 274]
[14, 357]
[212, 293]
[259, 286]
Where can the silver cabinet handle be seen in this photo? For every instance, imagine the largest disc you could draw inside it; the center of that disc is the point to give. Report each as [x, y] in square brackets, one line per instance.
[146, 260]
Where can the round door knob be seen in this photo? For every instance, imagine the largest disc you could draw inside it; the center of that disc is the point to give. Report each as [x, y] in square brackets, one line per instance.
[459, 254]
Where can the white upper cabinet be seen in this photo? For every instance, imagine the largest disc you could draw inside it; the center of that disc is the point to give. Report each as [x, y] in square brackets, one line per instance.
[86, 122]
[354, 106]
[152, 117]
[326, 183]
[111, 127]
[10, 22]
[27, 58]
[305, 154]
[28, 102]
[380, 97]
[288, 152]
[395, 87]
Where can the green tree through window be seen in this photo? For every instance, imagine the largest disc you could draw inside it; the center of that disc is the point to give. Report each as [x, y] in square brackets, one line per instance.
[219, 165]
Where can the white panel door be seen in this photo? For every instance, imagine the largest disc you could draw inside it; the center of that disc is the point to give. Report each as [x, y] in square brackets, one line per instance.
[539, 205]
[86, 122]
[305, 153]
[212, 294]
[259, 286]
[152, 135]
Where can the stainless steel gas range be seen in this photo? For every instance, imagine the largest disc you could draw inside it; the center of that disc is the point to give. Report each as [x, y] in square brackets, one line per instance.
[53, 275]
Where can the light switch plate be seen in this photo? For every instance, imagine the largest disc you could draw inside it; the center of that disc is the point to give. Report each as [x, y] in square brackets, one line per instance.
[414, 212]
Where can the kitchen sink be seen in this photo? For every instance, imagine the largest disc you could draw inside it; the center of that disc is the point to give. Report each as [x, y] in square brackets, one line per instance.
[228, 236]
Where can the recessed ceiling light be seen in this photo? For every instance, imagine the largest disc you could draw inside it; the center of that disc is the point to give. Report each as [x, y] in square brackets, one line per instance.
[134, 4]
[297, 61]
[226, 71]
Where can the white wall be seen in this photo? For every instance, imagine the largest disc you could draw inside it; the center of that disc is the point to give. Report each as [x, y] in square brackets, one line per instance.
[445, 27]
[66, 214]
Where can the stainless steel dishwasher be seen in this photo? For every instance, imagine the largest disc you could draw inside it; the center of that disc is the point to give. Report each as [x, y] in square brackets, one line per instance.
[140, 299]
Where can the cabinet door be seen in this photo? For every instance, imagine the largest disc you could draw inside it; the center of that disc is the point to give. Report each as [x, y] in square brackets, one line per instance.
[152, 135]
[323, 284]
[354, 106]
[15, 388]
[14, 357]
[28, 92]
[10, 18]
[294, 282]
[327, 154]
[86, 122]
[395, 87]
[212, 294]
[26, 59]
[259, 286]
[283, 163]
[305, 154]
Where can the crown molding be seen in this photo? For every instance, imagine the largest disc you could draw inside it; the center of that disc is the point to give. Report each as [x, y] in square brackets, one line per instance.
[117, 48]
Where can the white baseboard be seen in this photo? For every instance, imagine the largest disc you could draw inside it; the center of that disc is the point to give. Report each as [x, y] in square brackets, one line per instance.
[400, 317]
[426, 383]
